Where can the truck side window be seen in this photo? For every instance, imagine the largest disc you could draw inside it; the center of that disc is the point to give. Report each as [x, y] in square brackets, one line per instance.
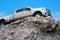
[23, 9]
[19, 10]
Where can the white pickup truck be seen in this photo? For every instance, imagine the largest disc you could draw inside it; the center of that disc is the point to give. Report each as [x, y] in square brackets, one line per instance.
[23, 12]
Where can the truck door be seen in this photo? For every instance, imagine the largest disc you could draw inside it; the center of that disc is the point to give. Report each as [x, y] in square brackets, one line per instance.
[17, 15]
[26, 12]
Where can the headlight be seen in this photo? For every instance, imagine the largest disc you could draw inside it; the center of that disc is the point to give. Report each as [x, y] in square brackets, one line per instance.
[48, 12]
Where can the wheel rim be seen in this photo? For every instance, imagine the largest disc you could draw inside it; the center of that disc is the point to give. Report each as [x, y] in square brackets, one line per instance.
[37, 15]
[2, 23]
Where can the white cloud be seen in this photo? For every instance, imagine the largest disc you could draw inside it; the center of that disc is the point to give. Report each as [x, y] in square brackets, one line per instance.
[2, 14]
[56, 15]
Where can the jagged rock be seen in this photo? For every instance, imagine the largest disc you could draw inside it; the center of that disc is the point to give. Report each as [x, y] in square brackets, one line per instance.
[30, 28]
[58, 26]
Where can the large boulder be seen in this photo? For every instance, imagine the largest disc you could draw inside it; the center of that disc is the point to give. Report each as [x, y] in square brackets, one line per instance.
[29, 29]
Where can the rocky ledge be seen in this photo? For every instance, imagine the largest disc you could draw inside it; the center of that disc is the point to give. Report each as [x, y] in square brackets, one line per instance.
[30, 28]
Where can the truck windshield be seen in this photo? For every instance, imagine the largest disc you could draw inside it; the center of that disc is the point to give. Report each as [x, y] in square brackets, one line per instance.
[23, 9]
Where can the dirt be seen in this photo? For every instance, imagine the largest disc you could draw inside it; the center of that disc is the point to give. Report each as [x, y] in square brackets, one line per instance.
[31, 28]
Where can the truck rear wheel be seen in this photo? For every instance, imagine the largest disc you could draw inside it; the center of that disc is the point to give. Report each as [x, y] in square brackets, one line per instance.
[2, 22]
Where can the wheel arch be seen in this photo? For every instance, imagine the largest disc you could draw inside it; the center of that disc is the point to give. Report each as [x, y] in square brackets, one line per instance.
[2, 20]
[37, 12]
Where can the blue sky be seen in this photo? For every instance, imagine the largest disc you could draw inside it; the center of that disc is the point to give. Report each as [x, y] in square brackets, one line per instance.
[7, 7]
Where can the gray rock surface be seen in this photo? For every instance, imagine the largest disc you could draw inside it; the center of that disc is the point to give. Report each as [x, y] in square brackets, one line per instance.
[30, 29]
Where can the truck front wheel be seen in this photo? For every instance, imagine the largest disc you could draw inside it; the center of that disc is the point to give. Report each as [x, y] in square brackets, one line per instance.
[37, 15]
